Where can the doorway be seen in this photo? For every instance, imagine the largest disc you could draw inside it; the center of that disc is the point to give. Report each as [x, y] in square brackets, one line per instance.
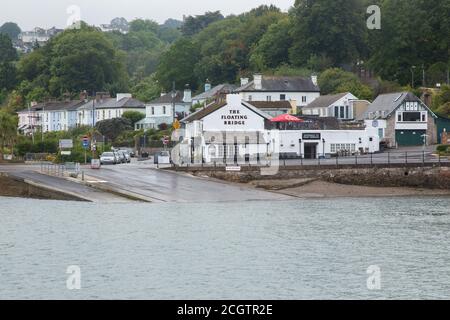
[311, 150]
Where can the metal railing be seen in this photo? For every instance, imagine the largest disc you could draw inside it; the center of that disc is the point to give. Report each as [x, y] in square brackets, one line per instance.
[386, 159]
[60, 170]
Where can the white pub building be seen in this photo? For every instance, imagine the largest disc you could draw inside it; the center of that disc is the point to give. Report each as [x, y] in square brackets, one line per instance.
[236, 132]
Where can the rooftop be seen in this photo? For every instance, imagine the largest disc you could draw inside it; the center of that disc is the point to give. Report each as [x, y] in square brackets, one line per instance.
[281, 84]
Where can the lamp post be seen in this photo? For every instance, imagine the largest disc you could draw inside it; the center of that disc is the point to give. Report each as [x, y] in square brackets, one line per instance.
[323, 146]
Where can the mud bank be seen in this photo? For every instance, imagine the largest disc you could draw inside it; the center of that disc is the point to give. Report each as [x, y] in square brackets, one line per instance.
[19, 188]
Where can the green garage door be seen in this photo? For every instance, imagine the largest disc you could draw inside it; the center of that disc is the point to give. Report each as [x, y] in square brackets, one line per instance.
[409, 137]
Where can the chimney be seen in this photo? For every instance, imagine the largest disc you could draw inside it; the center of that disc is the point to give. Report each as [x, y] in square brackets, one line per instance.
[207, 85]
[244, 81]
[121, 96]
[257, 79]
[314, 79]
[187, 94]
[83, 95]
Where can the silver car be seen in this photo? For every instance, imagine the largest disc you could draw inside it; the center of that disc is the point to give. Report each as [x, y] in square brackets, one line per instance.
[121, 157]
[108, 158]
[127, 155]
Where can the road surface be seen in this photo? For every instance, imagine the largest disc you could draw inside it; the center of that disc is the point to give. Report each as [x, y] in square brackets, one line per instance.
[72, 188]
[163, 186]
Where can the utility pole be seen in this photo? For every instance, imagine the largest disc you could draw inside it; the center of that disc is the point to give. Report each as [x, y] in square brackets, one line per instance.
[31, 122]
[93, 109]
[412, 76]
[423, 76]
[174, 94]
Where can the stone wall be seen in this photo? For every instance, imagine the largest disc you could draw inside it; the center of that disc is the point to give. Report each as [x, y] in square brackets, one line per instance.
[14, 187]
[397, 176]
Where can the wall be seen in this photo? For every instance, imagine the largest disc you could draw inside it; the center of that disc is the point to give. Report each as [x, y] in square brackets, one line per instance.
[290, 140]
[233, 117]
[396, 176]
[297, 96]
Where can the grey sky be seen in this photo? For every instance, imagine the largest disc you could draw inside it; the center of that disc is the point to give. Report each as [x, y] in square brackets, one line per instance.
[48, 13]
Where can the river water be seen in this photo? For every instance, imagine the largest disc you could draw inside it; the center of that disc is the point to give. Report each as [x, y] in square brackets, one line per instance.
[308, 249]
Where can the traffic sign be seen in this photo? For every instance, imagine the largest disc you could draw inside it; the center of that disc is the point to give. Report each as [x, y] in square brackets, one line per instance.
[66, 144]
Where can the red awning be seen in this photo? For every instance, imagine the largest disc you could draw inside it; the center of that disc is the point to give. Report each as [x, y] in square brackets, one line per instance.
[286, 118]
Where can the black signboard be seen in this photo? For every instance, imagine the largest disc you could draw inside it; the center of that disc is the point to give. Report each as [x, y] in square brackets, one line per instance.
[311, 136]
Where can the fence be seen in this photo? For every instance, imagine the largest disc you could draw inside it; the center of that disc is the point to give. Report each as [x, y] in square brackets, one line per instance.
[416, 158]
[60, 170]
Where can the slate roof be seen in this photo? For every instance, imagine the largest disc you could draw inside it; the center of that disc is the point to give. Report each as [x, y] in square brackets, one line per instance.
[271, 104]
[167, 98]
[112, 103]
[124, 103]
[385, 104]
[281, 84]
[57, 106]
[221, 88]
[326, 101]
[213, 107]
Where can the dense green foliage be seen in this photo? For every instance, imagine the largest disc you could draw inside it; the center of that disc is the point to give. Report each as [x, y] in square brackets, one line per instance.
[315, 36]
[7, 67]
[11, 30]
[133, 116]
[112, 128]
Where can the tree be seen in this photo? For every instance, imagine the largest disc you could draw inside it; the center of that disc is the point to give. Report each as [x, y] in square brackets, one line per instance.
[7, 67]
[332, 29]
[133, 116]
[10, 29]
[273, 48]
[112, 128]
[8, 131]
[177, 65]
[193, 25]
[403, 42]
[84, 59]
[336, 80]
[147, 89]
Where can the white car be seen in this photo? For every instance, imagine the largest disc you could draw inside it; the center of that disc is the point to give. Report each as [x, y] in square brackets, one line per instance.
[108, 158]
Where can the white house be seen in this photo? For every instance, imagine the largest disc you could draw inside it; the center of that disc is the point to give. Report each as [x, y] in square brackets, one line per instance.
[211, 94]
[101, 109]
[270, 88]
[339, 106]
[50, 116]
[235, 131]
[160, 110]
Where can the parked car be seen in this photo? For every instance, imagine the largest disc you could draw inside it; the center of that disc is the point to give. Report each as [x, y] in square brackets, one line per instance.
[127, 155]
[162, 157]
[108, 158]
[121, 157]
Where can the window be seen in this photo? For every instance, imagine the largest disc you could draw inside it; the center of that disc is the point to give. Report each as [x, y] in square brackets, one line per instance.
[424, 117]
[164, 110]
[282, 97]
[269, 98]
[399, 117]
[381, 133]
[250, 98]
[109, 114]
[304, 99]
[336, 112]
[412, 116]
[347, 112]
[342, 113]
[153, 111]
[104, 114]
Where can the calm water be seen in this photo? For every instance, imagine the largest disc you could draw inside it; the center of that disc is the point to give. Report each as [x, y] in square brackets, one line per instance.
[255, 250]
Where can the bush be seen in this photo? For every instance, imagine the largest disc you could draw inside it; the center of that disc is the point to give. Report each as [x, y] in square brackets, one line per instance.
[443, 148]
